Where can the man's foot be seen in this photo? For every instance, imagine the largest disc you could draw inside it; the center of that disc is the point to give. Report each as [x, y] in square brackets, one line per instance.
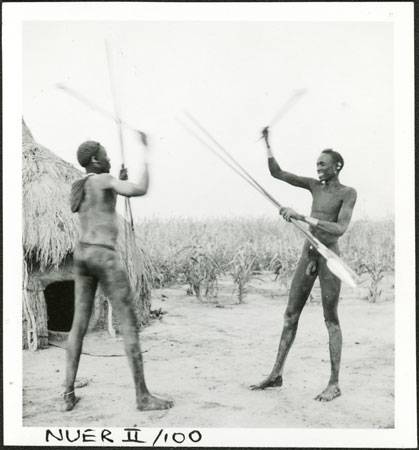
[150, 403]
[332, 391]
[70, 401]
[271, 381]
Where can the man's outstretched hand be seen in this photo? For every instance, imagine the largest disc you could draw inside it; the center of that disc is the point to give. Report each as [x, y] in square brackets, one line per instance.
[289, 213]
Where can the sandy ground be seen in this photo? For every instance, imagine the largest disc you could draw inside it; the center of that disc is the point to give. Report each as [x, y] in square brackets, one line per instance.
[204, 356]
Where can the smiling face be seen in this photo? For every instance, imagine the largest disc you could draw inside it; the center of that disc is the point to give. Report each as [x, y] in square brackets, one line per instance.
[326, 167]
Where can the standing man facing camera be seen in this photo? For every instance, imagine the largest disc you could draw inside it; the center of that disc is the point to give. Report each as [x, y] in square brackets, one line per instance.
[331, 212]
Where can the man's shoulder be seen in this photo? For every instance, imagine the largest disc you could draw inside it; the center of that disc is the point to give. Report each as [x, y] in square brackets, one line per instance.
[102, 180]
[102, 176]
[349, 192]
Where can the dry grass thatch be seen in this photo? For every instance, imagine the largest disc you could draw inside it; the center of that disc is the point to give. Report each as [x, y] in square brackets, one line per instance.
[50, 229]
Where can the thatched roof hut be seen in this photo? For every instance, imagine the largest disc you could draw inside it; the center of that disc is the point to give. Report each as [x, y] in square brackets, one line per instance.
[50, 233]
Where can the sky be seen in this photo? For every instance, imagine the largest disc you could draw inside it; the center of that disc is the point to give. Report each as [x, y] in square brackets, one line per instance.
[233, 77]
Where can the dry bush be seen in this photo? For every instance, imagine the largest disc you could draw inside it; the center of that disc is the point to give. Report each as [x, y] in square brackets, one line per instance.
[376, 272]
[242, 267]
[367, 247]
[200, 270]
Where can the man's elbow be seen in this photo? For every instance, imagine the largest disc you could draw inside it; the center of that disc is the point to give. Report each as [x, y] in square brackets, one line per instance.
[274, 168]
[340, 231]
[139, 192]
[275, 172]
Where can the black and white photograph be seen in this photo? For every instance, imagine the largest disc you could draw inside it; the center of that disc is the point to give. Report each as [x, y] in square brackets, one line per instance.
[209, 224]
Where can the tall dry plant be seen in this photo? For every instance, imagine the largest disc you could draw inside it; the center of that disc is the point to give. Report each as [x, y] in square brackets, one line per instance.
[277, 246]
[369, 249]
[200, 271]
[241, 269]
[376, 272]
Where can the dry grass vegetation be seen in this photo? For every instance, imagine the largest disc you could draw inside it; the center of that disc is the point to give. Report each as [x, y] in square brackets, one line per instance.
[199, 252]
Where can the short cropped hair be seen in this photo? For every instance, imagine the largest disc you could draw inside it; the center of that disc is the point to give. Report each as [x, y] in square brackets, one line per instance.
[86, 151]
[337, 158]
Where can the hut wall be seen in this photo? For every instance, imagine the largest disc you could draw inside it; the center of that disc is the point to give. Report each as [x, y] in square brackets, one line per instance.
[35, 311]
[35, 332]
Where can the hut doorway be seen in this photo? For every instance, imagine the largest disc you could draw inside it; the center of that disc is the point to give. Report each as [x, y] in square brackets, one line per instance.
[59, 298]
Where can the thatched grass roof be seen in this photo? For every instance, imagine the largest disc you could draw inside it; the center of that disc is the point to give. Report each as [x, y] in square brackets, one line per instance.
[50, 229]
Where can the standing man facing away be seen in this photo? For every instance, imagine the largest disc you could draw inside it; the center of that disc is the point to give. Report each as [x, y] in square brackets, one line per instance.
[96, 261]
[331, 213]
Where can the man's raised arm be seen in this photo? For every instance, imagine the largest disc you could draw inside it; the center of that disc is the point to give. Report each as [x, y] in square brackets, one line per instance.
[127, 188]
[277, 172]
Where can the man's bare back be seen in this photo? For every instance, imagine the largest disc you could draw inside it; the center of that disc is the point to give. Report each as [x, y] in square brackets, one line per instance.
[97, 214]
[96, 261]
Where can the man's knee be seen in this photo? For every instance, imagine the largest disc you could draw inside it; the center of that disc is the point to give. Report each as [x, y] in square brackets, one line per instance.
[330, 300]
[130, 329]
[124, 297]
[125, 309]
[291, 318]
[120, 293]
[331, 318]
[78, 329]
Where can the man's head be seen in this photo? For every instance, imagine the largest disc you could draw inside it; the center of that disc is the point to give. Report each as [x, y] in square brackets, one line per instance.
[92, 156]
[329, 164]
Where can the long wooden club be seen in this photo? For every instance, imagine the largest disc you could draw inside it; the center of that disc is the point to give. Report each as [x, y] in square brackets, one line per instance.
[94, 106]
[128, 211]
[288, 105]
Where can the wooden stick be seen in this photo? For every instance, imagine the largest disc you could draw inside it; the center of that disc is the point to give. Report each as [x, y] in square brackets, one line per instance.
[288, 105]
[83, 99]
[115, 101]
[128, 211]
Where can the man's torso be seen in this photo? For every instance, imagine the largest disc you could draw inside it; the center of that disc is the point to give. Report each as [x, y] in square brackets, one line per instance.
[327, 203]
[97, 213]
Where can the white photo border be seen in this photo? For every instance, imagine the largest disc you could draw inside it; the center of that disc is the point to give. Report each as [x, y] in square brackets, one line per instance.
[400, 14]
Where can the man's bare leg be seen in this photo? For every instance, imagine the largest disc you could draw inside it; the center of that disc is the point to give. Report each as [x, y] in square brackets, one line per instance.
[85, 288]
[301, 286]
[330, 287]
[117, 286]
[145, 401]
